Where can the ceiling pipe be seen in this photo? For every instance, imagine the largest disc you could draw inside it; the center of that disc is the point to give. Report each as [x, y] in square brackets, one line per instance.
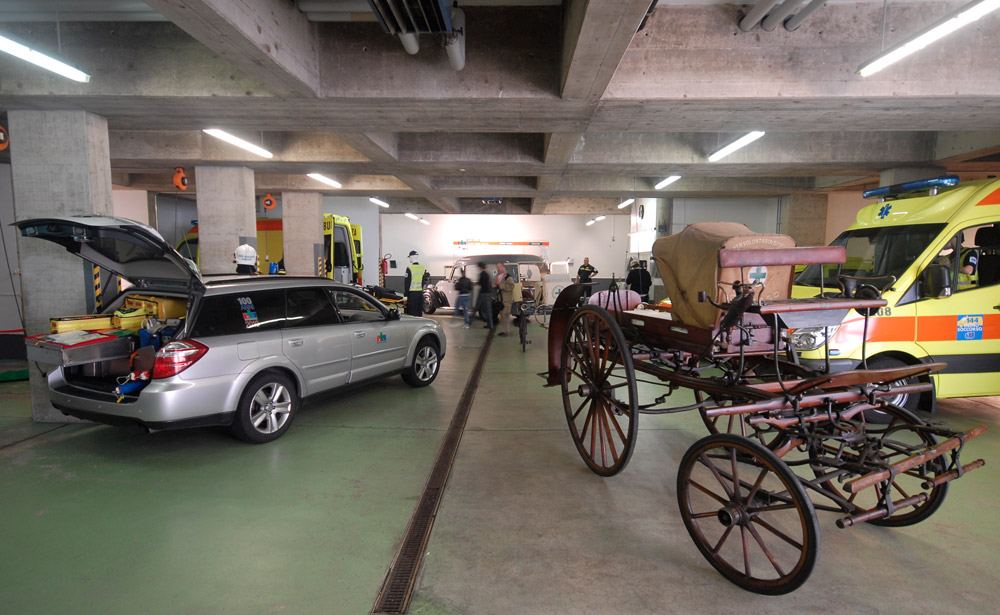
[756, 14]
[454, 43]
[802, 15]
[779, 14]
[410, 42]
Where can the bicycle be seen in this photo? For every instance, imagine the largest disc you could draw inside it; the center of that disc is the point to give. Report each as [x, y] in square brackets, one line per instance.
[527, 309]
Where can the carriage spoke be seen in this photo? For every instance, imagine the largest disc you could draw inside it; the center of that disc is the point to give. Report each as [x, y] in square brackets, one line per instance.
[722, 540]
[718, 475]
[746, 550]
[778, 533]
[707, 492]
[767, 552]
[606, 428]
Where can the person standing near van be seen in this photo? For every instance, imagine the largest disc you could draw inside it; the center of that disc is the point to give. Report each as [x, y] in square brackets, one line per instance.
[464, 288]
[485, 303]
[584, 275]
[416, 277]
[505, 282]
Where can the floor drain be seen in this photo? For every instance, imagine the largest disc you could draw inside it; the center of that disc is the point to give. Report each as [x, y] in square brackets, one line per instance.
[395, 594]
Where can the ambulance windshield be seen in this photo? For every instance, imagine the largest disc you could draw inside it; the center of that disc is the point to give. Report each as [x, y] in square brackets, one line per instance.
[882, 251]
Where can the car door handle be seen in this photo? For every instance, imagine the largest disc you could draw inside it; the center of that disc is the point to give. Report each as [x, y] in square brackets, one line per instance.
[296, 342]
[359, 334]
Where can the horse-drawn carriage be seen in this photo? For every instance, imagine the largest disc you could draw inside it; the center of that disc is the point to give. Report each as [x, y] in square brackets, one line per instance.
[778, 431]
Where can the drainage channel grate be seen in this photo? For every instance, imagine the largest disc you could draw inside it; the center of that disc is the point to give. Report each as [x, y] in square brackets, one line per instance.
[395, 594]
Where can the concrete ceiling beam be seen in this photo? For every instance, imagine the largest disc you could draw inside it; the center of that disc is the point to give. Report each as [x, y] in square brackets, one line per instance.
[269, 40]
[596, 34]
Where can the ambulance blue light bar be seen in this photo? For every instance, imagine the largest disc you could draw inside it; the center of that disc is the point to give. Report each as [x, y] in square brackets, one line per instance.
[916, 186]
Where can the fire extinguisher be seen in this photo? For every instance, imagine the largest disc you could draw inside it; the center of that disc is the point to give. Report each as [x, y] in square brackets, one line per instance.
[383, 269]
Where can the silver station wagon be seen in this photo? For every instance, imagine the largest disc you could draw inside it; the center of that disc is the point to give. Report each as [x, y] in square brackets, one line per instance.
[176, 350]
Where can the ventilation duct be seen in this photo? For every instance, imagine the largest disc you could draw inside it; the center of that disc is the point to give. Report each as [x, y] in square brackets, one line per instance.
[413, 16]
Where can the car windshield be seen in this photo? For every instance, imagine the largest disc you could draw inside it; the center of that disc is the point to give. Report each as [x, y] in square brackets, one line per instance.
[873, 252]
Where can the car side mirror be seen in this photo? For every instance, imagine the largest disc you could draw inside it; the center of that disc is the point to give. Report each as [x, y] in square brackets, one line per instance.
[393, 314]
[937, 282]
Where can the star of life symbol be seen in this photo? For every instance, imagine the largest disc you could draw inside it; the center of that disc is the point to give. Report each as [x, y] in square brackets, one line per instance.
[882, 213]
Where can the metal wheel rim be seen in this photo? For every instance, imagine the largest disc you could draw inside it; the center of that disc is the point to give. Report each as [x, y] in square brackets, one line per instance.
[425, 364]
[270, 408]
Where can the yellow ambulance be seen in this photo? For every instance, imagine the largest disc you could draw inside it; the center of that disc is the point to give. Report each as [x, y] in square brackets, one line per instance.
[933, 246]
[341, 254]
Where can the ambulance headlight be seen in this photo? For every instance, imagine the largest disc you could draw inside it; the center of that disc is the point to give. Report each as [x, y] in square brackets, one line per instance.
[811, 338]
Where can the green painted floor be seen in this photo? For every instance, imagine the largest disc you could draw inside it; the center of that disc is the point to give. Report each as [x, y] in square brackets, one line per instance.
[97, 519]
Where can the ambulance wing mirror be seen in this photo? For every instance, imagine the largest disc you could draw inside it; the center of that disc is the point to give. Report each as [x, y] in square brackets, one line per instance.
[936, 281]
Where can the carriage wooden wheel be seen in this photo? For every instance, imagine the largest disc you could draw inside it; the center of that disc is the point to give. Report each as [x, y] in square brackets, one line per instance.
[748, 514]
[895, 436]
[599, 390]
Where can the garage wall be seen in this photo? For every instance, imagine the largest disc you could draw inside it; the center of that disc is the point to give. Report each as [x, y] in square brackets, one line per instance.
[605, 242]
[842, 211]
[759, 214]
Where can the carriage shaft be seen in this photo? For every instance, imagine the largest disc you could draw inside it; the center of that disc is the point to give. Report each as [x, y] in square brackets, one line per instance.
[951, 474]
[857, 484]
[880, 511]
[780, 403]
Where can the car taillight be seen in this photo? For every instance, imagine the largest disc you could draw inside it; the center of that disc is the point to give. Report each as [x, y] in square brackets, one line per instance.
[176, 357]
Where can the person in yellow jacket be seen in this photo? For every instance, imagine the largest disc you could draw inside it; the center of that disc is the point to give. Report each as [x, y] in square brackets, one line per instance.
[414, 282]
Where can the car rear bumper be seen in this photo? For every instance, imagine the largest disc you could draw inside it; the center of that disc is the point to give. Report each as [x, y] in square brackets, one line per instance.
[163, 404]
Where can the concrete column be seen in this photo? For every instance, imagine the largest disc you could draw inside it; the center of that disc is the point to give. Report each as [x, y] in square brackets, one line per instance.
[302, 231]
[901, 175]
[803, 218]
[226, 216]
[60, 166]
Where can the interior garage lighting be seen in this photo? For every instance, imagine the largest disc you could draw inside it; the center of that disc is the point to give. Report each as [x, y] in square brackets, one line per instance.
[378, 202]
[743, 141]
[591, 222]
[422, 221]
[326, 180]
[666, 182]
[599, 218]
[625, 203]
[962, 17]
[40, 59]
[238, 142]
[411, 216]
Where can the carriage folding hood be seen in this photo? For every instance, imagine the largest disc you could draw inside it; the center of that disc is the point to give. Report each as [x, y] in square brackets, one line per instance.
[902, 236]
[125, 247]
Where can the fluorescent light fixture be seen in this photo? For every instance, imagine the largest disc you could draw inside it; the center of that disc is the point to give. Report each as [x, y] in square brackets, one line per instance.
[666, 182]
[411, 216]
[625, 203]
[422, 221]
[960, 18]
[591, 222]
[378, 202]
[745, 140]
[40, 59]
[599, 218]
[238, 142]
[326, 180]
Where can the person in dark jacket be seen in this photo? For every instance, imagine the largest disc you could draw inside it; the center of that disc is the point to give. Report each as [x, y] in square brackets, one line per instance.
[464, 288]
[485, 295]
[639, 280]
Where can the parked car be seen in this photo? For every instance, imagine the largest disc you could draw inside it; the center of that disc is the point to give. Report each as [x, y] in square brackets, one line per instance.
[243, 353]
[527, 268]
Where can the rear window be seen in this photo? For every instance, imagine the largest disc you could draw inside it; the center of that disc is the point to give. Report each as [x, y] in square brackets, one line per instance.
[261, 310]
